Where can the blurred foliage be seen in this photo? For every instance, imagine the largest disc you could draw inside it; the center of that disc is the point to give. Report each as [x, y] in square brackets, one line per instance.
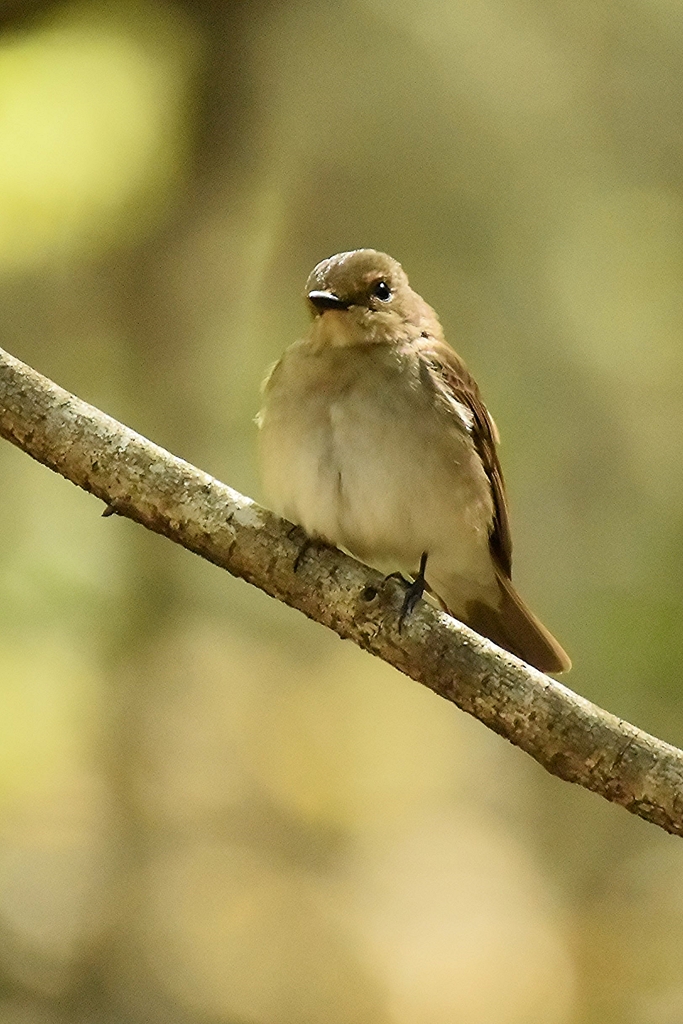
[210, 809]
[91, 128]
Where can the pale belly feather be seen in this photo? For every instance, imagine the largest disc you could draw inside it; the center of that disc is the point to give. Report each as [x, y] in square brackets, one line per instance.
[357, 454]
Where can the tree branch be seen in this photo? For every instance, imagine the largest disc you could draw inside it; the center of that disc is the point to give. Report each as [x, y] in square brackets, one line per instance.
[568, 735]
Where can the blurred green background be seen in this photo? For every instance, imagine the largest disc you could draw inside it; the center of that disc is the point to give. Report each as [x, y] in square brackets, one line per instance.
[211, 810]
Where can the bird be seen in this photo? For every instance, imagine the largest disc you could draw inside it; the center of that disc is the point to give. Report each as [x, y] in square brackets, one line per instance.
[373, 437]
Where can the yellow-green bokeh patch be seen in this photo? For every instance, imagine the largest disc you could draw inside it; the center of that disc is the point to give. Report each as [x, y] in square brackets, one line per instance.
[92, 129]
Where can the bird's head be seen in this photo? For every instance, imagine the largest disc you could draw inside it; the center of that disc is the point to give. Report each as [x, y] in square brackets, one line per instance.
[363, 297]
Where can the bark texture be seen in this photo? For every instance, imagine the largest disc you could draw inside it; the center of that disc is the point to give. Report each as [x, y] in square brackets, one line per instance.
[571, 737]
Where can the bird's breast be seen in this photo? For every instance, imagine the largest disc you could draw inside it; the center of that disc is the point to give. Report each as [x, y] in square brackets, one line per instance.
[355, 450]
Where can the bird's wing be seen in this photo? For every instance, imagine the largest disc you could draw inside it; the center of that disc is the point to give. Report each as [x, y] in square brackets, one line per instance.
[452, 379]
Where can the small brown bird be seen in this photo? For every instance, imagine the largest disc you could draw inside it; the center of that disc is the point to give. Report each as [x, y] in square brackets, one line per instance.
[374, 437]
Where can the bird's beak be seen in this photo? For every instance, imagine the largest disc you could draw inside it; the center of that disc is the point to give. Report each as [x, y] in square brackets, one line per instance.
[326, 300]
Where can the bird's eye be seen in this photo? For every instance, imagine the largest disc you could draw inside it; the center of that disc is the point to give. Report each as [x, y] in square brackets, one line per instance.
[382, 291]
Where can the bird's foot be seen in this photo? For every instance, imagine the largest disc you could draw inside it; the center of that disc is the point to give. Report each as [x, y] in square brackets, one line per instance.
[111, 508]
[414, 590]
[308, 543]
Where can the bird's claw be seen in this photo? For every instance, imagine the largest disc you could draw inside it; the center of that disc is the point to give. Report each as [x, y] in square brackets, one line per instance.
[414, 590]
[301, 554]
[413, 595]
[309, 542]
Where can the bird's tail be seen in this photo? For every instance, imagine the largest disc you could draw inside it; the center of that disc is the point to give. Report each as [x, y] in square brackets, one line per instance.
[515, 627]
